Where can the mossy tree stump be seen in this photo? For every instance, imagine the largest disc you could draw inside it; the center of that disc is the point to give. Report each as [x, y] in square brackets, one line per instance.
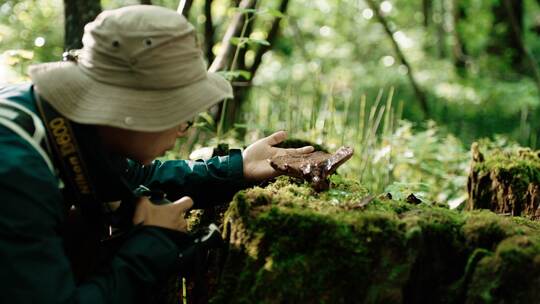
[505, 181]
[288, 244]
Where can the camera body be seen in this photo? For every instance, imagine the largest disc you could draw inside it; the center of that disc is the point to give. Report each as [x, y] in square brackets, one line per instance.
[194, 246]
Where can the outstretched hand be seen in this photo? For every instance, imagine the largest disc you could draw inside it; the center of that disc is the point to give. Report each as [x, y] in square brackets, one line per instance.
[256, 156]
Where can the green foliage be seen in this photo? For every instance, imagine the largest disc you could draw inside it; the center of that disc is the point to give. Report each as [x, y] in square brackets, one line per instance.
[27, 35]
[428, 163]
[322, 83]
[331, 57]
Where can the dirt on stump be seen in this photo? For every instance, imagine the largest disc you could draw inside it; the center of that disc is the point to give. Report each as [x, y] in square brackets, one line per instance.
[314, 167]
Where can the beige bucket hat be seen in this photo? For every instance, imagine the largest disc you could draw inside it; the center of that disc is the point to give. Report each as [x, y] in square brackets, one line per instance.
[140, 69]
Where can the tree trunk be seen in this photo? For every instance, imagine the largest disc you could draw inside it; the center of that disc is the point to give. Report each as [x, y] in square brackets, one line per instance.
[504, 39]
[224, 59]
[504, 182]
[241, 89]
[209, 31]
[459, 51]
[184, 6]
[426, 10]
[441, 33]
[77, 14]
[242, 92]
[227, 49]
[272, 37]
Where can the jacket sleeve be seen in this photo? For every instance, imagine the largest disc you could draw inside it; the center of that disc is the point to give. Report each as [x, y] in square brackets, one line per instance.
[34, 266]
[208, 183]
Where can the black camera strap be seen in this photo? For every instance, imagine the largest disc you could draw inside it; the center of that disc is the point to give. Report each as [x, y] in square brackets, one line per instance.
[64, 148]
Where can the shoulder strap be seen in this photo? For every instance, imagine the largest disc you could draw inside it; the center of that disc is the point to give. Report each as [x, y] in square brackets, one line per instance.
[27, 125]
[71, 165]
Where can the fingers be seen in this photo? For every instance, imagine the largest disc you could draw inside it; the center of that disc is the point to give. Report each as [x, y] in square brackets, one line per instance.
[182, 205]
[297, 151]
[304, 150]
[276, 138]
[169, 216]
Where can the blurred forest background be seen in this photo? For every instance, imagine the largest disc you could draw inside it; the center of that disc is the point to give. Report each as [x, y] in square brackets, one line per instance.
[410, 84]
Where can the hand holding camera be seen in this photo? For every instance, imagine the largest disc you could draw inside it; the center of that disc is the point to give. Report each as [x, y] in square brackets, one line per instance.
[170, 216]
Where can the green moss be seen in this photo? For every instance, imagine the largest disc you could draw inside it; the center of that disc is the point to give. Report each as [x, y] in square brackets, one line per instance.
[505, 181]
[290, 244]
[514, 166]
[484, 229]
[522, 160]
[512, 273]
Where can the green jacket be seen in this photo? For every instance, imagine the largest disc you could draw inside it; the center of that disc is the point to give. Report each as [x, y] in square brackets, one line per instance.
[33, 261]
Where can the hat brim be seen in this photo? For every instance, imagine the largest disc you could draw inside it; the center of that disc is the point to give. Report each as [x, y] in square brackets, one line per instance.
[87, 101]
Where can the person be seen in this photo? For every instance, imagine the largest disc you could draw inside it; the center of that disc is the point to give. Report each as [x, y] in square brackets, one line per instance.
[84, 135]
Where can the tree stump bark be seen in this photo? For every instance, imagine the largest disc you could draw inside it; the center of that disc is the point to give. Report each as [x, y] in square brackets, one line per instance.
[505, 181]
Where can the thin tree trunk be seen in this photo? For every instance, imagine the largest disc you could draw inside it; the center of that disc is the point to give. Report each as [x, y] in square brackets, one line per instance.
[241, 92]
[506, 35]
[426, 10]
[459, 50]
[77, 14]
[225, 55]
[418, 92]
[184, 7]
[209, 31]
[272, 36]
[441, 33]
[224, 58]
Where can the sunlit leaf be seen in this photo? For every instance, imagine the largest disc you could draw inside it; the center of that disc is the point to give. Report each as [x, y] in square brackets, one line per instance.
[240, 126]
[236, 73]
[245, 74]
[253, 41]
[207, 118]
[275, 13]
[245, 10]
